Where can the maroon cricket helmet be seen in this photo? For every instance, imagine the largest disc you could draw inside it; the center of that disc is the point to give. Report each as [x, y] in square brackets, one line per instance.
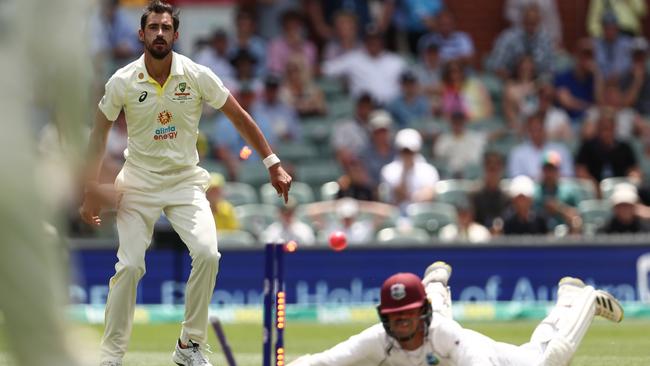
[401, 291]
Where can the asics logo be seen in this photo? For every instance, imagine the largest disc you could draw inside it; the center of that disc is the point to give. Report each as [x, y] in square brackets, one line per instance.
[143, 96]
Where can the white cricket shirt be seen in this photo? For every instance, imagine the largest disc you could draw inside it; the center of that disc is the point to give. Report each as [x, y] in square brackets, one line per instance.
[447, 344]
[162, 121]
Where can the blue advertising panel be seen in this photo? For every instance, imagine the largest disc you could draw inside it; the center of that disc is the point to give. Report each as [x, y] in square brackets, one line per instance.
[495, 273]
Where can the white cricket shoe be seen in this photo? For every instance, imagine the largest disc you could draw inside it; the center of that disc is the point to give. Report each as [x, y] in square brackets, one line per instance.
[191, 356]
[606, 304]
[438, 271]
[608, 307]
[110, 363]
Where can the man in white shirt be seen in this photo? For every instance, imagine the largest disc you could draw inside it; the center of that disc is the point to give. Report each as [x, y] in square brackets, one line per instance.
[416, 328]
[162, 94]
[370, 69]
[409, 178]
[460, 147]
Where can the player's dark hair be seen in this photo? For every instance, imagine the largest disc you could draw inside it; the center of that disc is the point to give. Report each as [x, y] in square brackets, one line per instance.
[159, 7]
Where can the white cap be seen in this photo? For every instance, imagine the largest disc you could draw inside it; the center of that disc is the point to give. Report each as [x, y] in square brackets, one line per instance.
[347, 207]
[380, 119]
[522, 185]
[624, 193]
[409, 139]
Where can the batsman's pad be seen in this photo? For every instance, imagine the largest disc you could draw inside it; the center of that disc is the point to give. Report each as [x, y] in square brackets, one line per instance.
[571, 324]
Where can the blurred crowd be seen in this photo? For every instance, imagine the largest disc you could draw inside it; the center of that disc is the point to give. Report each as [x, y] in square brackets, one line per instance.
[394, 130]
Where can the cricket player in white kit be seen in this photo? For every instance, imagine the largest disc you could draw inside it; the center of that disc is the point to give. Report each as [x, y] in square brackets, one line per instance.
[416, 328]
[162, 94]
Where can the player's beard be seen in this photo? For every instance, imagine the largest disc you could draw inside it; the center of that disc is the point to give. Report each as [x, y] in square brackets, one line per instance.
[159, 54]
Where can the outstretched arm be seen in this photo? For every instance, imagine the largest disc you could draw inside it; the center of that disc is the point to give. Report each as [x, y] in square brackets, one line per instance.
[249, 130]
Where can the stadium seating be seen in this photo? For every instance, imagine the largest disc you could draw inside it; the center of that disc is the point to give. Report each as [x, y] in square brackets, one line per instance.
[236, 238]
[253, 173]
[431, 216]
[453, 191]
[254, 218]
[594, 214]
[213, 166]
[238, 193]
[297, 151]
[317, 172]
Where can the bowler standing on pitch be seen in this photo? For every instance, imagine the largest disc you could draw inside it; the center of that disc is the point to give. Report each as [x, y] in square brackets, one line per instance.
[162, 94]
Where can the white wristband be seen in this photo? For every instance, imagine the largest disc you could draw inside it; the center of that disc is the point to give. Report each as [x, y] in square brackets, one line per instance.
[270, 160]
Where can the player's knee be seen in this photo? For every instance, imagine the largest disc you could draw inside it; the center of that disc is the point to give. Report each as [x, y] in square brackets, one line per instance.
[207, 256]
[132, 270]
[559, 352]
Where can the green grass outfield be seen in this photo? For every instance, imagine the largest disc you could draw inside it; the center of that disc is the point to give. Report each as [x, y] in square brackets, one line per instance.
[606, 344]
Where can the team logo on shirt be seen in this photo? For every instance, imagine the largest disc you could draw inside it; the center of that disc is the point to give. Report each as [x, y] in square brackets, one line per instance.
[432, 359]
[164, 117]
[182, 92]
[167, 132]
[398, 291]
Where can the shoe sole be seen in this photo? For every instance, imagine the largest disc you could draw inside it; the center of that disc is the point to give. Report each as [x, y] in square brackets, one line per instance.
[608, 307]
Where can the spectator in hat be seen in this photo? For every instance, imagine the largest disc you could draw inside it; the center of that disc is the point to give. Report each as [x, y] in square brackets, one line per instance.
[452, 44]
[245, 38]
[370, 69]
[532, 150]
[624, 219]
[282, 116]
[490, 202]
[576, 89]
[522, 218]
[300, 91]
[350, 135]
[409, 178]
[515, 42]
[244, 63]
[636, 82]
[292, 43]
[628, 13]
[288, 227]
[459, 147]
[216, 58]
[411, 105]
[605, 156]
[222, 210]
[554, 198]
[612, 49]
[466, 229]
[380, 151]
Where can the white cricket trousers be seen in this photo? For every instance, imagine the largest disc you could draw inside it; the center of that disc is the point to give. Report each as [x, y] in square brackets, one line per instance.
[144, 195]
